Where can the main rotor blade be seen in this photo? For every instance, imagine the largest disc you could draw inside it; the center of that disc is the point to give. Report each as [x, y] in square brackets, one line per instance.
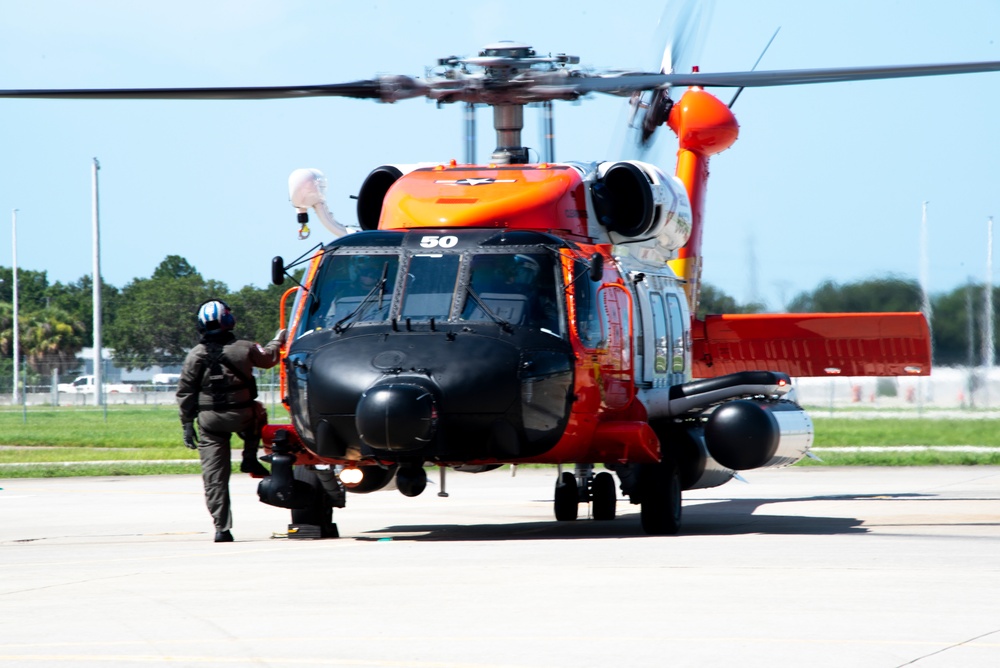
[558, 87]
[366, 89]
[622, 84]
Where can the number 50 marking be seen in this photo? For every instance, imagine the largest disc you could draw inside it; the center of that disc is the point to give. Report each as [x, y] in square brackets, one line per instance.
[435, 241]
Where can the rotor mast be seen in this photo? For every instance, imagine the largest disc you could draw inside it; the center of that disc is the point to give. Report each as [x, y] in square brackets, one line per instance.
[502, 62]
[508, 121]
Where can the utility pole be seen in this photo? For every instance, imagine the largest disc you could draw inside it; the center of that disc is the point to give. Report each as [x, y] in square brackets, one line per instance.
[15, 397]
[925, 299]
[98, 357]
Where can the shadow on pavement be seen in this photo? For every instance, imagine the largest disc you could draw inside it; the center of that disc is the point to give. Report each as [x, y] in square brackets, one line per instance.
[712, 518]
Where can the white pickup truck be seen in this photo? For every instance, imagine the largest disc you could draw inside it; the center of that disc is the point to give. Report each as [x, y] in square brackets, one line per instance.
[85, 385]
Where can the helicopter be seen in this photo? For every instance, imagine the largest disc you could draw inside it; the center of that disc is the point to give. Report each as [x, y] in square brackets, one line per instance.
[541, 312]
[518, 312]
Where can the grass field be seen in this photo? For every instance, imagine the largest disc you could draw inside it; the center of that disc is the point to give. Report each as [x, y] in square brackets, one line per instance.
[46, 442]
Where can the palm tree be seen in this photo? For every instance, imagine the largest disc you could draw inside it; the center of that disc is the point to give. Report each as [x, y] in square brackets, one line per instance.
[50, 339]
[6, 328]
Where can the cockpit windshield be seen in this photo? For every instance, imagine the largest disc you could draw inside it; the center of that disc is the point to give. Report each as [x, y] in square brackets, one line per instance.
[429, 285]
[520, 289]
[352, 288]
[512, 289]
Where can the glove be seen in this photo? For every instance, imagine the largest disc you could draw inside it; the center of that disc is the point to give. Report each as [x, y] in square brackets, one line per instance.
[190, 438]
[281, 336]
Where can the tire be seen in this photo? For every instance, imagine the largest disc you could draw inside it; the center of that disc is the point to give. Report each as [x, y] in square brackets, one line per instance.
[604, 496]
[660, 499]
[567, 498]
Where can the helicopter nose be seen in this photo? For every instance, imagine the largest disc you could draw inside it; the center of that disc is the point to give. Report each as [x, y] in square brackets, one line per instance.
[396, 416]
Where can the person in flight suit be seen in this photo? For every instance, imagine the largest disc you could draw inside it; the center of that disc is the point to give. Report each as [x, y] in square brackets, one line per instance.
[217, 389]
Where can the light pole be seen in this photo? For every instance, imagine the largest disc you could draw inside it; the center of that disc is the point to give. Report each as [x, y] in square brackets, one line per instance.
[98, 357]
[989, 356]
[17, 338]
[925, 272]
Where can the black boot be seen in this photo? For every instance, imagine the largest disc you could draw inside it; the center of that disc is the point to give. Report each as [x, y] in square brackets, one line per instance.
[223, 536]
[251, 465]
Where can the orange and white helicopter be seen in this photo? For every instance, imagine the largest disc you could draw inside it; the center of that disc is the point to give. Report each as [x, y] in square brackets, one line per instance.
[516, 312]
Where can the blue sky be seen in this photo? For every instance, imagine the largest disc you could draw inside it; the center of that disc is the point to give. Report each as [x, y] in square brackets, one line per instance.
[825, 182]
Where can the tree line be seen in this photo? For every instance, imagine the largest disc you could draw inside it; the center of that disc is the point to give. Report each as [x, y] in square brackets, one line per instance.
[151, 321]
[957, 317]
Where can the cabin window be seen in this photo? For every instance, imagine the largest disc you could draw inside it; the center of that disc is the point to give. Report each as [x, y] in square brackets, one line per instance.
[676, 333]
[428, 287]
[661, 346]
[520, 289]
[352, 288]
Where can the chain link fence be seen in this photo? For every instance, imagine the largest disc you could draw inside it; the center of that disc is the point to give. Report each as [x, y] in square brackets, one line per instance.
[52, 386]
[156, 384]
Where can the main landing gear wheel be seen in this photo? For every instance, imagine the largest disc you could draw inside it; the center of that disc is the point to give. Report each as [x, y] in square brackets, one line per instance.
[604, 497]
[567, 497]
[660, 499]
[319, 512]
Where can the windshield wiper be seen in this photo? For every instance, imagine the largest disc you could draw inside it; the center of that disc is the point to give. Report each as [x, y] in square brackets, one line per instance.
[378, 288]
[364, 302]
[381, 284]
[504, 325]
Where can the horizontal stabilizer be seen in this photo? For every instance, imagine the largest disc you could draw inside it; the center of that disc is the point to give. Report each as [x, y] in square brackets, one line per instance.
[813, 344]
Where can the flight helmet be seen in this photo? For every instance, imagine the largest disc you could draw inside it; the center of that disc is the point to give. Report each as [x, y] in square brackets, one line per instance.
[214, 317]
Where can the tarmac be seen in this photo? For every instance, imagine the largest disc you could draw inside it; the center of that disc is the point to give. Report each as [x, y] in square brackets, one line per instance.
[810, 566]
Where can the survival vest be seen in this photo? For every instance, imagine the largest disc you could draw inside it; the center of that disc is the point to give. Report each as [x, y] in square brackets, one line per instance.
[219, 385]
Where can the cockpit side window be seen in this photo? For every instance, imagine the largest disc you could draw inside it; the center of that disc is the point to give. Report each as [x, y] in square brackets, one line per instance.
[591, 325]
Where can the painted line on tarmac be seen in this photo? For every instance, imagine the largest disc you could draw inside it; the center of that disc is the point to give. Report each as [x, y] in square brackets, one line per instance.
[244, 660]
[100, 462]
[907, 448]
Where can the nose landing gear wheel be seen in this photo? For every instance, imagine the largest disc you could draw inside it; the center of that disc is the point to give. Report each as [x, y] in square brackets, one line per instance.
[603, 496]
[319, 514]
[567, 497]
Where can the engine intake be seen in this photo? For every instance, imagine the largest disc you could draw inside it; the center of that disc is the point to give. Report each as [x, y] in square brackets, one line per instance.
[372, 194]
[636, 201]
